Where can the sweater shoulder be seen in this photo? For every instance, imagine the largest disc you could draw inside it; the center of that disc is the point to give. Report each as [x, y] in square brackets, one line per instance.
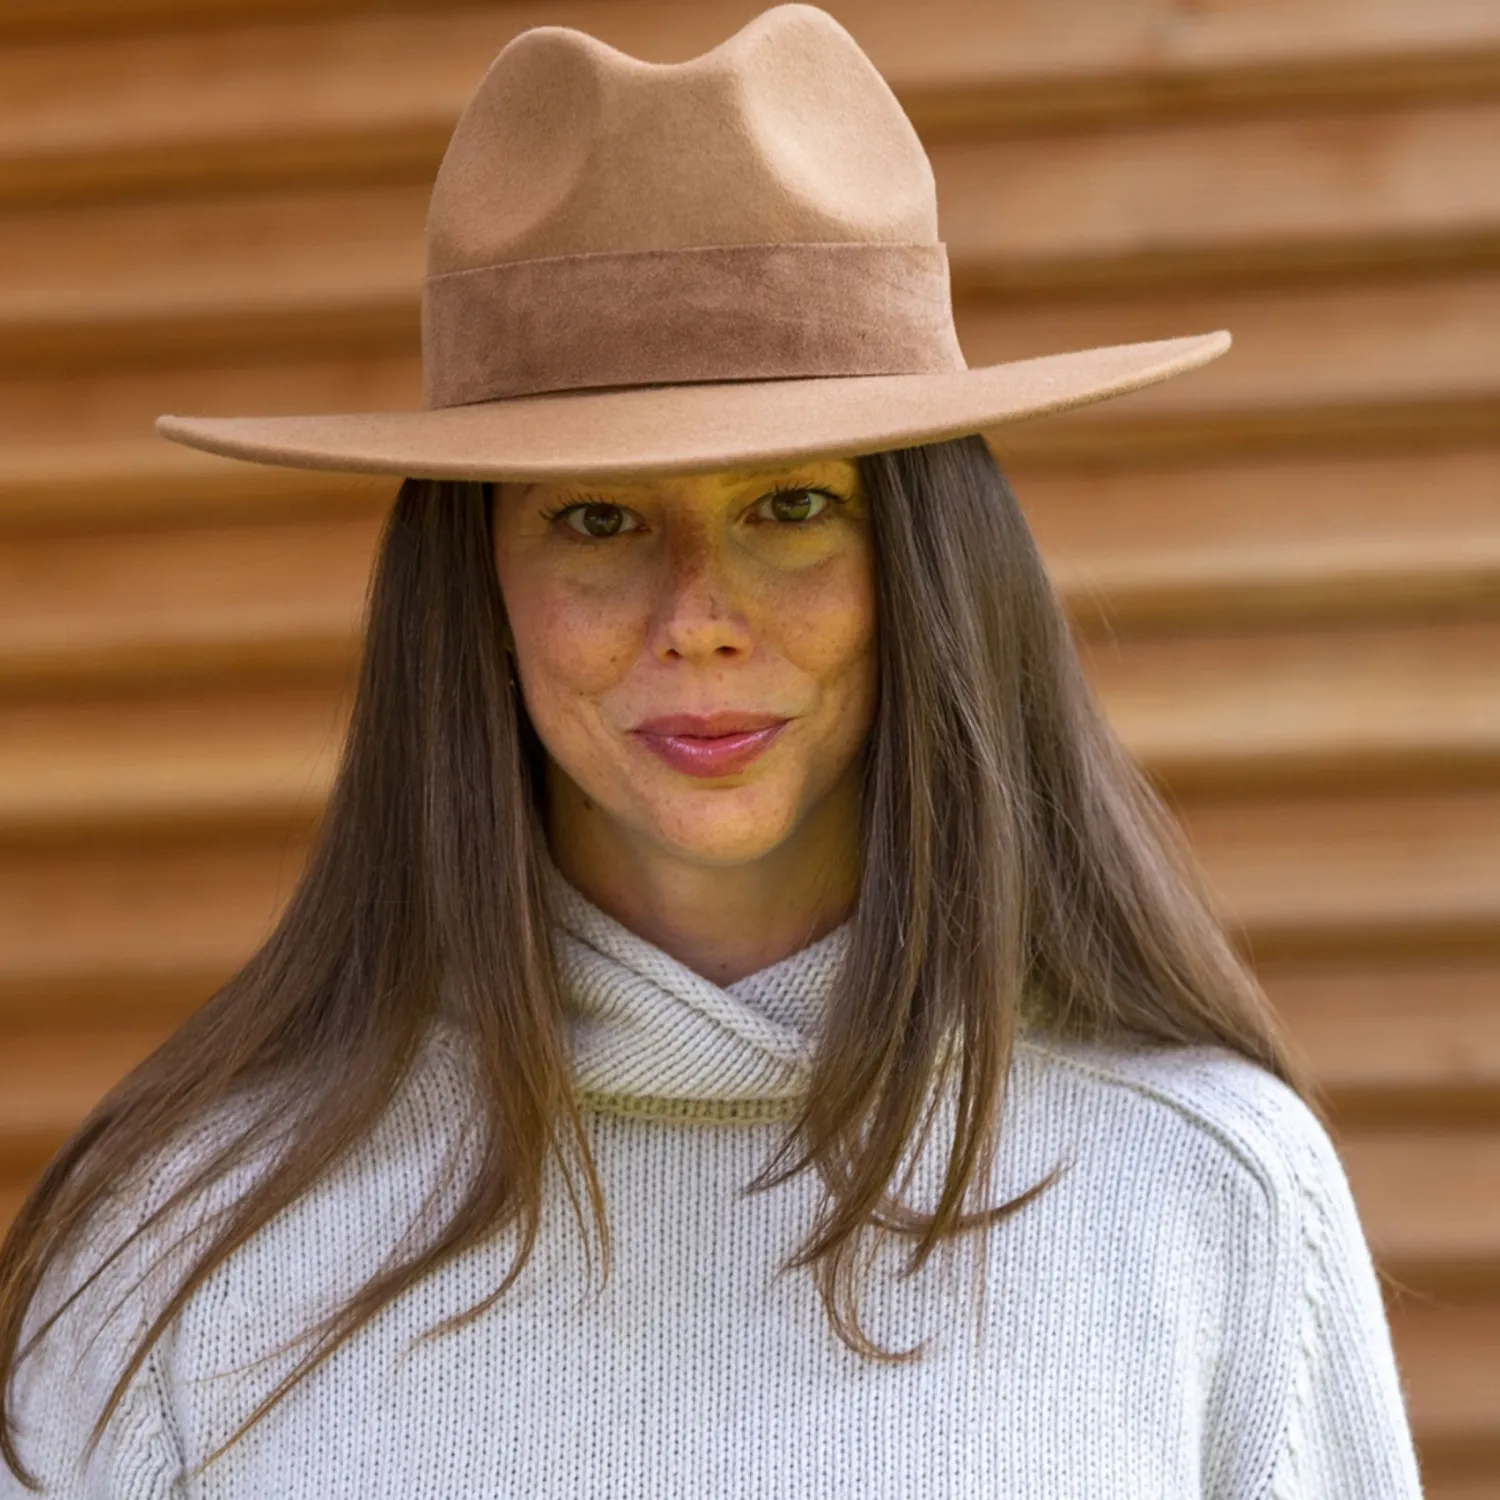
[1265, 1131]
[1306, 1397]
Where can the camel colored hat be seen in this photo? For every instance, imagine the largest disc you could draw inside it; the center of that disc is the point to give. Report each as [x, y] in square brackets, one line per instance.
[638, 268]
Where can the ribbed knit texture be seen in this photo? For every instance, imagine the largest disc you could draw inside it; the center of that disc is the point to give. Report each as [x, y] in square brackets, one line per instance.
[1192, 1311]
[651, 1037]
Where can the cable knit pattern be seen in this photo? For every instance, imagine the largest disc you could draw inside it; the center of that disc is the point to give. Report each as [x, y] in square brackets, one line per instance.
[1191, 1311]
[1336, 1390]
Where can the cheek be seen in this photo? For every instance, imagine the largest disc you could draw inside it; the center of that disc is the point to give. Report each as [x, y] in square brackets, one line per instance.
[824, 622]
[571, 641]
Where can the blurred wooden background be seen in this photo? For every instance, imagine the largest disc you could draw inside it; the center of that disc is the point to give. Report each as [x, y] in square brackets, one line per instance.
[1285, 569]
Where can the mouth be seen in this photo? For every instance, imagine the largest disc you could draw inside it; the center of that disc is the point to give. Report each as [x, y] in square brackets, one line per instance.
[709, 745]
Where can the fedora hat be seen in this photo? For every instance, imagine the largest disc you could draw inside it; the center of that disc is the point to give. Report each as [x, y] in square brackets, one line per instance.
[641, 268]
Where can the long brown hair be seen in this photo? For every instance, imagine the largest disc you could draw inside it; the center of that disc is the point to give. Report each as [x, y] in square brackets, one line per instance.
[1011, 851]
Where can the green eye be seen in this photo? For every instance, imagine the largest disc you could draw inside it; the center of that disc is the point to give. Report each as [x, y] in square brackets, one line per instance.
[798, 505]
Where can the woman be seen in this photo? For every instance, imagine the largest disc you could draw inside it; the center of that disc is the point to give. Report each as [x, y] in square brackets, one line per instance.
[725, 831]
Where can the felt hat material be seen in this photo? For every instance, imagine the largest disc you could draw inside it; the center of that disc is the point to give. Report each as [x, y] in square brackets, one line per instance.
[637, 268]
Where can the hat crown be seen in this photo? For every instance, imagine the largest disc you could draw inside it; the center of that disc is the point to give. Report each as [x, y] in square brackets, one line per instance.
[783, 133]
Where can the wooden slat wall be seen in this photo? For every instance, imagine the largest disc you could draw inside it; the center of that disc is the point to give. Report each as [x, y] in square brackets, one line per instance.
[1285, 570]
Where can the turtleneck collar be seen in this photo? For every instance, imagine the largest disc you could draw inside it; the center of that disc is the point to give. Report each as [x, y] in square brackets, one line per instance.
[651, 1037]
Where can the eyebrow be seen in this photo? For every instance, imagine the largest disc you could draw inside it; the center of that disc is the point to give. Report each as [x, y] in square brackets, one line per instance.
[735, 477]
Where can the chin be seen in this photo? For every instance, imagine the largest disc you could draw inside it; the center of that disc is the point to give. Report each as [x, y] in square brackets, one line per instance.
[717, 828]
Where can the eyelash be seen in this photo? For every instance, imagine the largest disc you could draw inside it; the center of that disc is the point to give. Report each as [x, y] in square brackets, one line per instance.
[832, 496]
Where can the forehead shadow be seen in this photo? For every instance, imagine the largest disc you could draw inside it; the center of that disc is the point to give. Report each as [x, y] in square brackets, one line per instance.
[726, 479]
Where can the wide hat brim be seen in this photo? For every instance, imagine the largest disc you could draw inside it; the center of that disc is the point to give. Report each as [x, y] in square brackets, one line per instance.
[682, 429]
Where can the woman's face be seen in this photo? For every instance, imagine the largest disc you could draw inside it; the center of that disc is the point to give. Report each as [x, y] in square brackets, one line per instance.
[697, 654]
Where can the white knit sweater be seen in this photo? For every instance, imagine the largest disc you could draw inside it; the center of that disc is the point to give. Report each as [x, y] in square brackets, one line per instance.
[1191, 1311]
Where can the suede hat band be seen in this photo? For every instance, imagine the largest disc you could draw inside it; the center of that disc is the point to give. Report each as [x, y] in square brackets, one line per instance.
[716, 312]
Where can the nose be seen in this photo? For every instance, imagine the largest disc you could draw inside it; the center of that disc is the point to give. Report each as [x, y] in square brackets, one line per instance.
[697, 617]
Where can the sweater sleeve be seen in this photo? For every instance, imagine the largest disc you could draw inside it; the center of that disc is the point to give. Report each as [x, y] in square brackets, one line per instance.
[60, 1387]
[1347, 1435]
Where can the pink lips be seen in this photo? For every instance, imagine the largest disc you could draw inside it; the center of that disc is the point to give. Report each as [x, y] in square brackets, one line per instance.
[709, 744]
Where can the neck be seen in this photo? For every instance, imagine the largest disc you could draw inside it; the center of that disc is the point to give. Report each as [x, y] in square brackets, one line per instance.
[721, 921]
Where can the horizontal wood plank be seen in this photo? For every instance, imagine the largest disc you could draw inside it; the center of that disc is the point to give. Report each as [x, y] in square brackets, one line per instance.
[1357, 362]
[1382, 1031]
[1298, 539]
[284, 594]
[1112, 523]
[86, 768]
[1449, 1356]
[1365, 342]
[1161, 201]
[42, 417]
[1328, 706]
[1428, 1198]
[1030, 215]
[252, 78]
[1371, 873]
[146, 997]
[100, 912]
[146, 481]
[48, 1083]
[1290, 585]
